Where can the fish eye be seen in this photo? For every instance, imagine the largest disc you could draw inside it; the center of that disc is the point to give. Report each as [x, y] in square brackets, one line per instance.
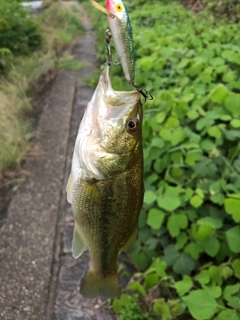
[132, 125]
[119, 7]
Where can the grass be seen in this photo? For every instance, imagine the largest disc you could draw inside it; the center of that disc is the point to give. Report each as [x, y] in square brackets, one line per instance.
[60, 25]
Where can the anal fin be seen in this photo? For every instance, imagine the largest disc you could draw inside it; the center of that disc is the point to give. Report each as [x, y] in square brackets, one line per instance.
[78, 245]
[130, 243]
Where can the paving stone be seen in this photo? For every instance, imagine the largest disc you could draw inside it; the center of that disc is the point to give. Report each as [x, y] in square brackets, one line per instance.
[72, 271]
[67, 239]
[65, 313]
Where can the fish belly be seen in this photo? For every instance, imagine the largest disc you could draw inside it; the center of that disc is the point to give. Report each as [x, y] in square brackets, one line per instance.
[106, 212]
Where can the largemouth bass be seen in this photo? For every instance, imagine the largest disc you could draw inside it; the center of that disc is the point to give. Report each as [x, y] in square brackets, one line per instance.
[105, 187]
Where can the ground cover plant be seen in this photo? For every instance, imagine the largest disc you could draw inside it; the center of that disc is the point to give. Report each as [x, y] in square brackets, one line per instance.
[188, 249]
[29, 48]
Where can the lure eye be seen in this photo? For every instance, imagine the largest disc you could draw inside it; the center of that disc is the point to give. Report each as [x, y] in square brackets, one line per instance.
[132, 125]
[119, 7]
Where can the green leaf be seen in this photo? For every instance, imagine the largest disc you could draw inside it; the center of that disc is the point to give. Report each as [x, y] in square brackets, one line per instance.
[160, 117]
[211, 245]
[213, 222]
[184, 285]
[196, 201]
[215, 132]
[236, 268]
[160, 307]
[200, 304]
[170, 200]
[165, 134]
[177, 136]
[235, 123]
[155, 218]
[170, 254]
[232, 206]
[193, 249]
[138, 287]
[175, 223]
[181, 240]
[215, 274]
[192, 157]
[217, 198]
[192, 114]
[226, 272]
[117, 305]
[171, 122]
[228, 314]
[208, 144]
[157, 142]
[233, 239]
[228, 294]
[212, 290]
[150, 280]
[232, 103]
[184, 265]
[149, 197]
[218, 94]
[204, 231]
[203, 277]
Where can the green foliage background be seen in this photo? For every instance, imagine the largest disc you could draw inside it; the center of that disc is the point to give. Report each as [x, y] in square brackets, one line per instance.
[188, 247]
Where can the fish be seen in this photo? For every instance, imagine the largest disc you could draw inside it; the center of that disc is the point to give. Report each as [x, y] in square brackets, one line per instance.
[105, 187]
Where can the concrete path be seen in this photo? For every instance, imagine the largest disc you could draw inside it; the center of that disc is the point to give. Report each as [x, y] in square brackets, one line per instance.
[39, 279]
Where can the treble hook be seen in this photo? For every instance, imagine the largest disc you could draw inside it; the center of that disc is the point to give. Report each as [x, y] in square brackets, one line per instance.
[144, 92]
[109, 53]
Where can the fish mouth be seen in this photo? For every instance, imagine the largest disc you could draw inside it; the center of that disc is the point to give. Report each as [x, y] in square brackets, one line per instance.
[117, 98]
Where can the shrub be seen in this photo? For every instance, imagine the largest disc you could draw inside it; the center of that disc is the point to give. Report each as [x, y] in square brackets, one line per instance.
[18, 32]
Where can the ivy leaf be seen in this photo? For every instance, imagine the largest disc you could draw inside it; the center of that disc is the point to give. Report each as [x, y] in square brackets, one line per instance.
[155, 218]
[137, 286]
[203, 277]
[149, 197]
[184, 264]
[236, 268]
[196, 201]
[200, 304]
[233, 239]
[232, 206]
[218, 94]
[184, 285]
[193, 249]
[228, 294]
[215, 132]
[170, 200]
[232, 103]
[228, 314]
[213, 222]
[170, 255]
[211, 245]
[175, 223]
[181, 240]
[160, 307]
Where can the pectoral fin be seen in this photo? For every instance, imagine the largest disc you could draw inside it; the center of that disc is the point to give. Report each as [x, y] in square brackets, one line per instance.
[130, 243]
[69, 188]
[78, 245]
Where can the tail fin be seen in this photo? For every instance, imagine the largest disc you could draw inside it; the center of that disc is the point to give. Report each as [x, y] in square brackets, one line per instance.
[95, 284]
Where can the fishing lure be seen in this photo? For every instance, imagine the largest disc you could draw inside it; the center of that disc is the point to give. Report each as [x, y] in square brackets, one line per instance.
[121, 32]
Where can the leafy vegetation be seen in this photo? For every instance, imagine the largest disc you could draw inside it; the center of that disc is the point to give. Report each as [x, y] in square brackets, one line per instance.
[18, 33]
[30, 47]
[188, 249]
